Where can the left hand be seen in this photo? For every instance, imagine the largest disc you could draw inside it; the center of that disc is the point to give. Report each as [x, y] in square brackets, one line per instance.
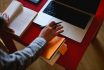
[6, 23]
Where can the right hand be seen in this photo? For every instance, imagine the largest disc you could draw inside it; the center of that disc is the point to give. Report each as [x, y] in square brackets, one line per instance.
[51, 30]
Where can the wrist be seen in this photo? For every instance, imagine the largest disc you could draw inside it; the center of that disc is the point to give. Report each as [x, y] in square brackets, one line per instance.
[43, 38]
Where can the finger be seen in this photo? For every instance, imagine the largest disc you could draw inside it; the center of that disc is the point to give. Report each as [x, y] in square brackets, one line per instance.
[46, 27]
[59, 31]
[59, 27]
[3, 14]
[6, 17]
[52, 23]
[56, 25]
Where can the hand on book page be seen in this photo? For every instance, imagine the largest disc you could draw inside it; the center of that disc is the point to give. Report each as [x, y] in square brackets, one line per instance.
[6, 18]
[19, 16]
[52, 47]
[13, 10]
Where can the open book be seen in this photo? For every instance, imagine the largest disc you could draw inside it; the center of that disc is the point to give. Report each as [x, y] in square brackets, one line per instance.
[20, 17]
[54, 49]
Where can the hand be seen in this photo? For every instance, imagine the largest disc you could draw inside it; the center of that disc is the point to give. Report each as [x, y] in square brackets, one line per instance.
[6, 23]
[6, 18]
[51, 30]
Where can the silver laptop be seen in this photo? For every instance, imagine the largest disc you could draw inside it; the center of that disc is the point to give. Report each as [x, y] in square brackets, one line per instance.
[75, 15]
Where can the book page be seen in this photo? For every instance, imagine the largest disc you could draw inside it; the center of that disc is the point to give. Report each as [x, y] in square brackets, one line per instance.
[13, 10]
[22, 21]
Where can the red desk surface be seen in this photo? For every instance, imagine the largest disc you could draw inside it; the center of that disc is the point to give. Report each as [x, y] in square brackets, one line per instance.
[75, 50]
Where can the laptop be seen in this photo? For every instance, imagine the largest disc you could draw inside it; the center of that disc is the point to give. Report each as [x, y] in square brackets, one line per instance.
[76, 16]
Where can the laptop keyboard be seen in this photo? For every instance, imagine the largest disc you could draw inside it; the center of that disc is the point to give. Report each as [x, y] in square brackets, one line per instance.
[67, 14]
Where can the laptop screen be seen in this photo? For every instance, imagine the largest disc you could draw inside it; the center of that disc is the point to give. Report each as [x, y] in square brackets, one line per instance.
[67, 14]
[85, 5]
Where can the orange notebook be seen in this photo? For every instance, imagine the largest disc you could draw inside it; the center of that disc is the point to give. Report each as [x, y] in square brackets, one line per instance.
[63, 49]
[52, 47]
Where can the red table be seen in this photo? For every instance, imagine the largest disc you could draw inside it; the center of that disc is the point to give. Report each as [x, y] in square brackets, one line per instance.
[75, 50]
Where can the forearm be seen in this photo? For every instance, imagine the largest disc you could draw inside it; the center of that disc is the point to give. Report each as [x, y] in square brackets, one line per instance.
[24, 57]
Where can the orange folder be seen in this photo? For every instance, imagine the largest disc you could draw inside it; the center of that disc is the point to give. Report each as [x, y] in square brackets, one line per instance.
[63, 49]
[53, 46]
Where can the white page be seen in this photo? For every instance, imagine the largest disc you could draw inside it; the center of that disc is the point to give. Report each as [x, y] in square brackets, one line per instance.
[22, 21]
